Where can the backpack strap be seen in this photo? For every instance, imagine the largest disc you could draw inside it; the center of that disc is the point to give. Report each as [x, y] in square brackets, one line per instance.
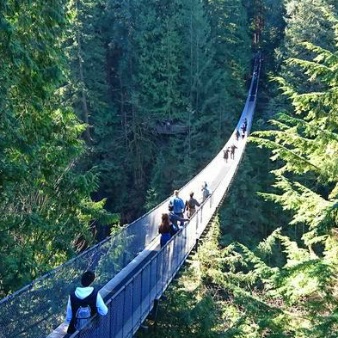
[89, 300]
[75, 303]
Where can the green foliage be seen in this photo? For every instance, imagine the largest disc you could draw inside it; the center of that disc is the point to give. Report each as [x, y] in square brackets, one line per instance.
[284, 285]
[303, 144]
[45, 202]
[209, 105]
[254, 298]
[301, 141]
[307, 22]
[245, 216]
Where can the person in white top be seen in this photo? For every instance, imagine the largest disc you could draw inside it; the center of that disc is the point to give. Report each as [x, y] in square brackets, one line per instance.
[84, 295]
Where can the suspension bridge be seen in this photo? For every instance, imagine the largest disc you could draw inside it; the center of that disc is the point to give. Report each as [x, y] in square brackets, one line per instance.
[132, 270]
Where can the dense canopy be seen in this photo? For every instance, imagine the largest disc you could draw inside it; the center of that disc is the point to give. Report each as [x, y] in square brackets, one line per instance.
[88, 90]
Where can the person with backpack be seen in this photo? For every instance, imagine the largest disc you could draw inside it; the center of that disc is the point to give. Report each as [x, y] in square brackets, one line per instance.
[191, 205]
[83, 303]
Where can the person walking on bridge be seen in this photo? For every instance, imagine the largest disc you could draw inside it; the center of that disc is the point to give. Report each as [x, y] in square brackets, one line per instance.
[191, 204]
[205, 191]
[244, 127]
[226, 154]
[238, 134]
[232, 151]
[84, 296]
[174, 219]
[243, 130]
[165, 229]
[177, 203]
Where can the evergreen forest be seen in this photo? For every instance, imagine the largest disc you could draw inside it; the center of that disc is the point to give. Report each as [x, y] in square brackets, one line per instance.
[107, 106]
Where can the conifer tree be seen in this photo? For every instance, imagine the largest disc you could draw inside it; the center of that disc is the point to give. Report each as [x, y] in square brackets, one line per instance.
[296, 294]
[304, 141]
[306, 21]
[203, 86]
[45, 202]
[110, 127]
[209, 101]
[156, 97]
[91, 43]
[87, 89]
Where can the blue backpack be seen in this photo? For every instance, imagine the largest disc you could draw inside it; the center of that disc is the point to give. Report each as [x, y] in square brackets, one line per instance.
[83, 310]
[82, 317]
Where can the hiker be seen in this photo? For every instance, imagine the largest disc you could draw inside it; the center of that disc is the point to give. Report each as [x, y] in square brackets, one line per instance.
[243, 130]
[226, 154]
[190, 205]
[232, 151]
[165, 229]
[174, 219]
[177, 203]
[205, 191]
[85, 298]
[244, 127]
[238, 134]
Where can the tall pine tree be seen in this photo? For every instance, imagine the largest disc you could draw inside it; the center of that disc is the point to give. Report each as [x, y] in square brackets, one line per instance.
[45, 202]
